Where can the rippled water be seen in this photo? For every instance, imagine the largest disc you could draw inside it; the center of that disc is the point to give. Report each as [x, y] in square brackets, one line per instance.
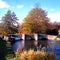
[54, 46]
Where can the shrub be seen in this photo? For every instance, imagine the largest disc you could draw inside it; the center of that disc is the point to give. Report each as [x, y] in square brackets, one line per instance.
[18, 54]
[50, 56]
[34, 55]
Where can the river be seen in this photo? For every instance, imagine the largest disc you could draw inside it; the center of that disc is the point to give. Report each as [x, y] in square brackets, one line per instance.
[52, 46]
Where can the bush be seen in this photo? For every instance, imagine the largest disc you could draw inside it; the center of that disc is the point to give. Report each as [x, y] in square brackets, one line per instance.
[33, 55]
[3, 49]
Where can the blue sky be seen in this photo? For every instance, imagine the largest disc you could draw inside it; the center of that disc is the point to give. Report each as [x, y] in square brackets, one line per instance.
[22, 8]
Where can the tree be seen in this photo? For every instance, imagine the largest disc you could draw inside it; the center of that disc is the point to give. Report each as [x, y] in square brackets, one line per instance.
[35, 22]
[9, 23]
[53, 28]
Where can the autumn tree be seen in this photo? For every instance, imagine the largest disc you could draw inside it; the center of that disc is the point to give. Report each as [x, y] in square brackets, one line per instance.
[35, 22]
[53, 28]
[9, 23]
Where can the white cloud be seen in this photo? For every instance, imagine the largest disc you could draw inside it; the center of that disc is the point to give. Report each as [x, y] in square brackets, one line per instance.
[50, 9]
[54, 17]
[3, 4]
[0, 20]
[53, 14]
[19, 6]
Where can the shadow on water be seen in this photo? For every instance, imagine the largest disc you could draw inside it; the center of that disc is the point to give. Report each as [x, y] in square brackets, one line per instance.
[54, 46]
[3, 49]
[36, 45]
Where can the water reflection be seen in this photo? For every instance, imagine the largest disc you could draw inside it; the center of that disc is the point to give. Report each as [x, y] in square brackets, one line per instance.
[49, 46]
[54, 46]
[36, 45]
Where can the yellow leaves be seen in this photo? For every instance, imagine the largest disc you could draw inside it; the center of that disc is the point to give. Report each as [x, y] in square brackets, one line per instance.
[35, 22]
[25, 29]
[24, 55]
[59, 31]
[35, 55]
[30, 55]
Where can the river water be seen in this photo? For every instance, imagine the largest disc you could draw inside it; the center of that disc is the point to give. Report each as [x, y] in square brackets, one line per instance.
[52, 46]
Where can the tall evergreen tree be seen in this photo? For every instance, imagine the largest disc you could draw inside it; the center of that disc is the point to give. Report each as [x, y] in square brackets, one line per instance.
[9, 24]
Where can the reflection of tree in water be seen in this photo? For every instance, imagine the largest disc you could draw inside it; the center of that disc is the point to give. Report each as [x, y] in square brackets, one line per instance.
[40, 45]
[3, 49]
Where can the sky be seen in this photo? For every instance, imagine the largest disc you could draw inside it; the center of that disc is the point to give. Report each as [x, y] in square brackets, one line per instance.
[23, 7]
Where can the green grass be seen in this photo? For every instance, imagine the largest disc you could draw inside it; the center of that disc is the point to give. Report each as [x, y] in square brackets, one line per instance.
[10, 55]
